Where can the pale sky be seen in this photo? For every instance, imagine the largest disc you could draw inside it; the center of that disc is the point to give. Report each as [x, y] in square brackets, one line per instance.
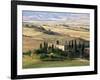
[54, 16]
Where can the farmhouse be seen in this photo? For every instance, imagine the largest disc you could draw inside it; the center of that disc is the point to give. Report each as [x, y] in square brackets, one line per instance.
[60, 47]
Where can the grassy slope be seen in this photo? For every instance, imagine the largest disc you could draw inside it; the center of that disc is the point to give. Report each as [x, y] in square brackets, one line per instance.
[35, 62]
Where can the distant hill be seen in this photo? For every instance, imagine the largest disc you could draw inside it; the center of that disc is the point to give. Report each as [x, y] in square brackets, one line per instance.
[56, 31]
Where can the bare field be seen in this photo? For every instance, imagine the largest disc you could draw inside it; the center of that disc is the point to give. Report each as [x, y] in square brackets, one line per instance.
[30, 44]
[32, 37]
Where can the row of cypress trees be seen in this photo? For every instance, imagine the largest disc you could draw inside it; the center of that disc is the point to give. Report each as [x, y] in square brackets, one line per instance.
[72, 49]
[45, 48]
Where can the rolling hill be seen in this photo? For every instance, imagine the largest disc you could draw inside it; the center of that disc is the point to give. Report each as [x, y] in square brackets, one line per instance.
[34, 34]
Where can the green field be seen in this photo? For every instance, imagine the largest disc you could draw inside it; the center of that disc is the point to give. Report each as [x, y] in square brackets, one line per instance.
[35, 62]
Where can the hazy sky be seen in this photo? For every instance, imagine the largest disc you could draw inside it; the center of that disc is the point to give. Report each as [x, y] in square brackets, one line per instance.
[54, 16]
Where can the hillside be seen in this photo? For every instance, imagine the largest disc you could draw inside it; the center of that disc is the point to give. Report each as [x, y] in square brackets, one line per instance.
[34, 34]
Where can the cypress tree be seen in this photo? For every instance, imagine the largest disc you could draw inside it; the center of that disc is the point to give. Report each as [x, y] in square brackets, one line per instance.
[44, 44]
[52, 47]
[72, 44]
[65, 46]
[78, 49]
[45, 47]
[41, 46]
[70, 53]
[79, 45]
[69, 45]
[75, 49]
[83, 47]
[57, 42]
[75, 45]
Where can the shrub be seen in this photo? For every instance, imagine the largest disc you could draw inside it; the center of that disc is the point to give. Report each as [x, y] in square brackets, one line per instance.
[27, 53]
[39, 51]
[42, 56]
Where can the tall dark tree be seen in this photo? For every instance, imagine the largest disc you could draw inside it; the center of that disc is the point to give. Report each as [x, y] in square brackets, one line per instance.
[79, 44]
[69, 45]
[52, 47]
[69, 50]
[44, 43]
[75, 45]
[41, 46]
[74, 49]
[65, 47]
[57, 42]
[45, 47]
[83, 47]
[72, 43]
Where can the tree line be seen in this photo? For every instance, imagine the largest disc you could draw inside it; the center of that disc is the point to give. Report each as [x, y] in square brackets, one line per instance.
[72, 49]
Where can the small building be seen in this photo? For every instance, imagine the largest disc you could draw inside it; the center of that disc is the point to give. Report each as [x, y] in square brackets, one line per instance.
[60, 47]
